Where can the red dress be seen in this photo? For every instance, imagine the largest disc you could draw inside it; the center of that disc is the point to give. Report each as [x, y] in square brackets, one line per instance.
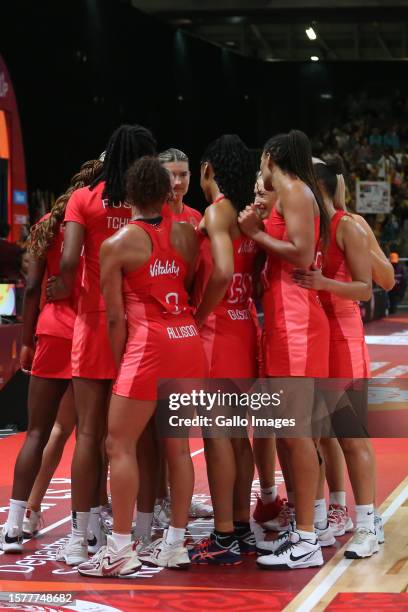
[91, 352]
[348, 351]
[230, 332]
[295, 338]
[163, 340]
[187, 215]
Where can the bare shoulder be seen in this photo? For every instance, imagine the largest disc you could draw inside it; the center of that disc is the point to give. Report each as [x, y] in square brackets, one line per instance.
[221, 214]
[128, 236]
[350, 227]
[362, 223]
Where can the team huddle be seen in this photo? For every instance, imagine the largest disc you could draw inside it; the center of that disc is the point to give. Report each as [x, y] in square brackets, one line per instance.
[128, 285]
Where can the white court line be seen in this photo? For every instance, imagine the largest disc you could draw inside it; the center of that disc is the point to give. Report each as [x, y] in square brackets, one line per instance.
[377, 365]
[400, 370]
[197, 452]
[391, 340]
[326, 584]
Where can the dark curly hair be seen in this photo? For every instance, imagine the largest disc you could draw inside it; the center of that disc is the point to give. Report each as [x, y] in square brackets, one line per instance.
[233, 169]
[127, 144]
[293, 154]
[147, 182]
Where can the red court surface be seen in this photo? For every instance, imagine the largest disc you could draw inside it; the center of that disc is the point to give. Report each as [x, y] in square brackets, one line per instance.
[237, 588]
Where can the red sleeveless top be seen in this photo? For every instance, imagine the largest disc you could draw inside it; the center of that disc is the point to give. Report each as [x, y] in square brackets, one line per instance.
[159, 283]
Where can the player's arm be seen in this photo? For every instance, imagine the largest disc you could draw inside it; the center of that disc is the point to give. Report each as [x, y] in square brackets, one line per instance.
[111, 287]
[217, 223]
[356, 252]
[61, 287]
[31, 310]
[382, 269]
[299, 219]
[187, 246]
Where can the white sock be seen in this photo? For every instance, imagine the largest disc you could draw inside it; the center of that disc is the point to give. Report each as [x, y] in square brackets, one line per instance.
[16, 514]
[269, 494]
[365, 516]
[291, 498]
[121, 539]
[94, 524]
[320, 513]
[338, 498]
[79, 522]
[143, 524]
[175, 534]
[307, 535]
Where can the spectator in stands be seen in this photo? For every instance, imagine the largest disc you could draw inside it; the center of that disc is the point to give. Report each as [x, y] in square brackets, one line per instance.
[375, 140]
[391, 138]
[10, 256]
[386, 164]
[396, 295]
[363, 152]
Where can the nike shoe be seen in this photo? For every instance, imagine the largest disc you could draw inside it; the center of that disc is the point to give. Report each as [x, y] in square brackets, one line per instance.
[268, 547]
[283, 520]
[246, 541]
[364, 543]
[200, 510]
[141, 543]
[325, 536]
[73, 553]
[95, 541]
[339, 520]
[162, 514]
[32, 523]
[11, 540]
[110, 561]
[211, 552]
[379, 527]
[267, 512]
[295, 553]
[162, 554]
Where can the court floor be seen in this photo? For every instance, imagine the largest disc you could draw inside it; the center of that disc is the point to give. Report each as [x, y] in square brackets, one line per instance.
[379, 583]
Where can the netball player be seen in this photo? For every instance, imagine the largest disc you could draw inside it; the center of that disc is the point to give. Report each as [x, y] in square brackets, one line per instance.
[223, 291]
[93, 214]
[296, 333]
[146, 271]
[176, 162]
[48, 360]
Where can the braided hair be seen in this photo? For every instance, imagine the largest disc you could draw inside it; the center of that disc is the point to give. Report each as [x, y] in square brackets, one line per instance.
[232, 163]
[293, 154]
[43, 233]
[127, 144]
[172, 155]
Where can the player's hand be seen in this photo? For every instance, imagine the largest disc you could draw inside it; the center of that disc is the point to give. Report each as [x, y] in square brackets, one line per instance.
[249, 221]
[55, 289]
[26, 358]
[309, 279]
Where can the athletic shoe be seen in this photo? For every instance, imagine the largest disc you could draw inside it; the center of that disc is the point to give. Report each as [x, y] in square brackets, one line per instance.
[110, 561]
[295, 553]
[210, 551]
[11, 540]
[107, 518]
[247, 542]
[162, 514]
[200, 510]
[95, 541]
[339, 520]
[379, 527]
[283, 520]
[364, 543]
[32, 523]
[267, 512]
[162, 554]
[325, 536]
[73, 553]
[268, 547]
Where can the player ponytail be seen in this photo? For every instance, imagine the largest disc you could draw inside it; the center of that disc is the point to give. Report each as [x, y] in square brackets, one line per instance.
[43, 233]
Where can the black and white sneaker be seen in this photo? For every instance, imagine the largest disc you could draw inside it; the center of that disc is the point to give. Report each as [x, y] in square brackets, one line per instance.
[295, 553]
[364, 543]
[11, 540]
[379, 527]
[268, 547]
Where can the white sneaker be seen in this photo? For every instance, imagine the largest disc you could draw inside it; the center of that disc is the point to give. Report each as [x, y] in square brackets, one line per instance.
[295, 553]
[364, 543]
[73, 553]
[267, 547]
[326, 537]
[110, 561]
[142, 543]
[32, 523]
[339, 520]
[200, 510]
[379, 527]
[283, 521]
[161, 514]
[95, 541]
[107, 518]
[11, 540]
[173, 555]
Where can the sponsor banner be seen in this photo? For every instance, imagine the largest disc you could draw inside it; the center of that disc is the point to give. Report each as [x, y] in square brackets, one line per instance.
[373, 197]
